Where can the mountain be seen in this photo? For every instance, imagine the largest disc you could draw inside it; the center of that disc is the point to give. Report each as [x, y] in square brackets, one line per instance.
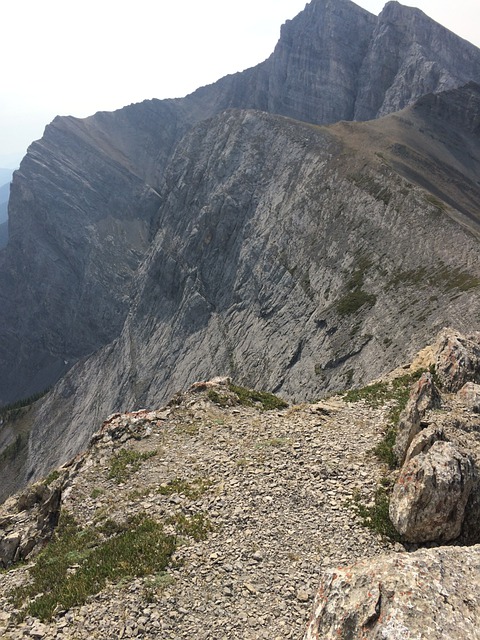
[219, 234]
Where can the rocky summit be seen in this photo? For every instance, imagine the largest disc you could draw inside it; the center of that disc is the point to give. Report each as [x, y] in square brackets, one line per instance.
[219, 515]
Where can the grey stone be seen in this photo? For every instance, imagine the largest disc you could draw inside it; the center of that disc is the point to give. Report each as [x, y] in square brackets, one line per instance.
[423, 441]
[470, 395]
[431, 493]
[401, 596]
[423, 396]
[457, 359]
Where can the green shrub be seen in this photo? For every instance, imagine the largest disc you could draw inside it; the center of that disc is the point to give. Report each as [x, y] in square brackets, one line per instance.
[193, 489]
[197, 526]
[77, 563]
[376, 517]
[125, 462]
[252, 398]
[376, 395]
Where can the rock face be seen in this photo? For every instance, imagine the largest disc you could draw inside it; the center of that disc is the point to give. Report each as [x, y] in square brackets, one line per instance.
[83, 200]
[436, 496]
[470, 395]
[27, 522]
[199, 241]
[401, 596]
[458, 360]
[431, 493]
[423, 396]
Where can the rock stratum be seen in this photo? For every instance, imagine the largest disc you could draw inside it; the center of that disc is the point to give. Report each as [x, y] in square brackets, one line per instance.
[233, 232]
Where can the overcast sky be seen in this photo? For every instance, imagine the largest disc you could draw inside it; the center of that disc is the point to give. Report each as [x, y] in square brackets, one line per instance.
[76, 58]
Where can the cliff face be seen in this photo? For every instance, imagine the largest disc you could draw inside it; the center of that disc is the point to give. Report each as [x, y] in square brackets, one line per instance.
[178, 239]
[291, 257]
[84, 197]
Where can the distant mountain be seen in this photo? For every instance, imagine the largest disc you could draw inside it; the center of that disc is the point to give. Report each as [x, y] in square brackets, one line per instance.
[229, 232]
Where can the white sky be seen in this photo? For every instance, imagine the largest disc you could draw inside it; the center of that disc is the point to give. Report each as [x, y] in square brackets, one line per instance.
[76, 58]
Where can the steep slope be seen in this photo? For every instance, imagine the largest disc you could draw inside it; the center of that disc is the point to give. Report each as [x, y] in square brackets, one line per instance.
[84, 197]
[433, 143]
[290, 256]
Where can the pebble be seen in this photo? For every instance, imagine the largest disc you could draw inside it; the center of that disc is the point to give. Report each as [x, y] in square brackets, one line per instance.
[277, 495]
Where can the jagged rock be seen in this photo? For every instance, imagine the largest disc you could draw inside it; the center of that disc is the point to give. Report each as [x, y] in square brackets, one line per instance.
[432, 594]
[424, 440]
[423, 396]
[469, 394]
[457, 359]
[429, 498]
[27, 521]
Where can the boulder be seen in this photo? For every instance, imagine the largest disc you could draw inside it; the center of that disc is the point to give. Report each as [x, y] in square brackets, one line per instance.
[469, 395]
[429, 498]
[457, 359]
[423, 396]
[27, 521]
[424, 440]
[401, 596]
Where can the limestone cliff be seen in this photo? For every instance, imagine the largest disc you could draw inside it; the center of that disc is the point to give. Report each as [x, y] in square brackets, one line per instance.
[84, 198]
[175, 239]
[291, 257]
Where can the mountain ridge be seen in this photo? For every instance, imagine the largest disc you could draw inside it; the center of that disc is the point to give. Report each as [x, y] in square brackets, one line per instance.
[288, 275]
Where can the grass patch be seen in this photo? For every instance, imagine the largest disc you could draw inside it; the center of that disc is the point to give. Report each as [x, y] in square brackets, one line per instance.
[369, 185]
[197, 526]
[273, 442]
[78, 563]
[219, 399]
[54, 475]
[376, 517]
[13, 450]
[262, 399]
[355, 296]
[384, 449]
[354, 300]
[193, 489]
[445, 278]
[126, 462]
[376, 395]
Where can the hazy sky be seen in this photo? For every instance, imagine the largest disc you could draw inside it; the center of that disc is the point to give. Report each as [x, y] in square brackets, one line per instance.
[75, 58]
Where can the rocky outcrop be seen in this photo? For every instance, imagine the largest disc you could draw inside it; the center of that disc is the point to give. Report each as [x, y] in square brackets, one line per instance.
[401, 596]
[436, 496]
[27, 522]
[423, 396]
[430, 496]
[469, 394]
[457, 359]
